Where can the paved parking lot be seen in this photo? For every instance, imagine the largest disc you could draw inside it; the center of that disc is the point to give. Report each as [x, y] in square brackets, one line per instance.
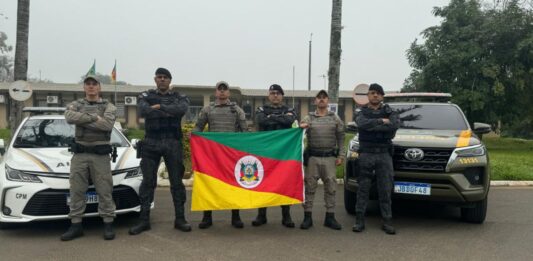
[425, 232]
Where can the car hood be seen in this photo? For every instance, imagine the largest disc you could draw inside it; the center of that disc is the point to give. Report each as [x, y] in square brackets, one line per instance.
[57, 160]
[435, 138]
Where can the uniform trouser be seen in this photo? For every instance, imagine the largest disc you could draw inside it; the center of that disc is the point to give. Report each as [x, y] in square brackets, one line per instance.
[325, 169]
[378, 165]
[172, 152]
[98, 168]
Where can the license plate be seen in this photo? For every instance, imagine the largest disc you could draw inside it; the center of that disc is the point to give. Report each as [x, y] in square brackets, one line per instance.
[90, 198]
[412, 188]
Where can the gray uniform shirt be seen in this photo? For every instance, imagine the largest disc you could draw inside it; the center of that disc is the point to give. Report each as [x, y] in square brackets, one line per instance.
[228, 117]
[84, 115]
[325, 133]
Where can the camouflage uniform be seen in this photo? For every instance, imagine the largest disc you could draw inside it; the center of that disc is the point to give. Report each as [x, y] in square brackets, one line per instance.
[91, 161]
[375, 158]
[268, 118]
[325, 139]
[228, 117]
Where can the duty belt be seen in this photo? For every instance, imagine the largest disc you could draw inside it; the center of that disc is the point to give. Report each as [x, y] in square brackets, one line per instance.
[162, 135]
[374, 150]
[98, 149]
[318, 153]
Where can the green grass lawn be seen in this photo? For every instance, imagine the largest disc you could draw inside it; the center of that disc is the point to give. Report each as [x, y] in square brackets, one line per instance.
[510, 159]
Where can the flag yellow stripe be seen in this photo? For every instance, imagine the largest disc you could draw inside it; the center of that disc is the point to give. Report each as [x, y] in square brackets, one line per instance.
[212, 194]
[464, 139]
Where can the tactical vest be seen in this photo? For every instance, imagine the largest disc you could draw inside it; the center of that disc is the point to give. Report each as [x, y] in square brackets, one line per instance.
[162, 126]
[270, 110]
[90, 135]
[223, 118]
[379, 137]
[322, 133]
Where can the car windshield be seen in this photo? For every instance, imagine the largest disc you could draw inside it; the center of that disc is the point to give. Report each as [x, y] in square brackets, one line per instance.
[436, 117]
[53, 133]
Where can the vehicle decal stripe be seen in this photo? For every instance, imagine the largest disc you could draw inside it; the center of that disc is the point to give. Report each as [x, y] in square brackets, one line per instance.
[123, 158]
[36, 160]
[464, 139]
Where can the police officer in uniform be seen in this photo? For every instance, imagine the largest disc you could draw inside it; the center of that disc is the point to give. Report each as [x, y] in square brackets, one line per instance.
[325, 139]
[162, 110]
[274, 116]
[377, 124]
[222, 116]
[94, 118]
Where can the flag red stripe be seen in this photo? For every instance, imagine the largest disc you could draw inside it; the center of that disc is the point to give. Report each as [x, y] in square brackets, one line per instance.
[218, 161]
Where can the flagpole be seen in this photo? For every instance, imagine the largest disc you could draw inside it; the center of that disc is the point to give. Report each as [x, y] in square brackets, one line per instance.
[115, 80]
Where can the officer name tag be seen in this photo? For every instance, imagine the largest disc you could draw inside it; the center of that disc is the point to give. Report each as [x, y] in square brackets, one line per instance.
[90, 198]
[412, 188]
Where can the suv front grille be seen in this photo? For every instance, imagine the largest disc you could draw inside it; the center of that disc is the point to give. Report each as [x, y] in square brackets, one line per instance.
[54, 201]
[435, 160]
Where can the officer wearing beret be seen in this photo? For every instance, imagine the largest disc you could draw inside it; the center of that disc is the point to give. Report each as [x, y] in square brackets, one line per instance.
[274, 116]
[377, 124]
[162, 110]
[94, 118]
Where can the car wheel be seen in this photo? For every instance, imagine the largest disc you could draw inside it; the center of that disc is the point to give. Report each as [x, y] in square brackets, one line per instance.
[350, 198]
[476, 214]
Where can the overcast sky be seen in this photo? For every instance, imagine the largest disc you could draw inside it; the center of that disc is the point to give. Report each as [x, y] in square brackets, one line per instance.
[249, 43]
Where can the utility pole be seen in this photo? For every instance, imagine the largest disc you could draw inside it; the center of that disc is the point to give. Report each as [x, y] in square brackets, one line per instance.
[309, 73]
[335, 51]
[293, 76]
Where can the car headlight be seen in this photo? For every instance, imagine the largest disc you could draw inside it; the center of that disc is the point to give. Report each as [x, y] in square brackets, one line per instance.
[133, 173]
[17, 175]
[473, 151]
[354, 145]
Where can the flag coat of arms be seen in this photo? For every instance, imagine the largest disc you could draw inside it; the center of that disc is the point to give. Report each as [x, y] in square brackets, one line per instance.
[247, 170]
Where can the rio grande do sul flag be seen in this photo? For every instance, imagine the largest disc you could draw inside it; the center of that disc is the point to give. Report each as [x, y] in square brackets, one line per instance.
[247, 170]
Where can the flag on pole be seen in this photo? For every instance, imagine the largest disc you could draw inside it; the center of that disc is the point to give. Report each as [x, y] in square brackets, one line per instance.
[247, 170]
[92, 70]
[114, 73]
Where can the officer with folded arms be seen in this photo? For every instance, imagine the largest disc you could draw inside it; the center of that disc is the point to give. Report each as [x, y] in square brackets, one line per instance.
[377, 124]
[94, 118]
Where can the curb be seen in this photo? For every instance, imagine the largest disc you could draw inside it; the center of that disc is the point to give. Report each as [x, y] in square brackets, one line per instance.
[494, 183]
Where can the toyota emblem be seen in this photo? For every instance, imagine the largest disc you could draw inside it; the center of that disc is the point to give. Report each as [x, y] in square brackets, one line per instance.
[414, 154]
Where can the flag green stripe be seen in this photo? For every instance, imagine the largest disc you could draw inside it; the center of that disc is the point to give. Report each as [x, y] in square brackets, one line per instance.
[280, 145]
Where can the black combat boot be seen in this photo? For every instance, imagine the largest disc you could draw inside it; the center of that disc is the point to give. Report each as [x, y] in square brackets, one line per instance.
[331, 222]
[180, 223]
[308, 220]
[359, 223]
[207, 220]
[109, 234]
[387, 227]
[261, 218]
[236, 221]
[75, 230]
[143, 225]
[286, 219]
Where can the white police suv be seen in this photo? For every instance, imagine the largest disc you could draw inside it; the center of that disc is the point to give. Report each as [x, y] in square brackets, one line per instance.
[35, 168]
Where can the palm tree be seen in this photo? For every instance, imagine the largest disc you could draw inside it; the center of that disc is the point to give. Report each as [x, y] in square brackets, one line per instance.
[335, 51]
[21, 59]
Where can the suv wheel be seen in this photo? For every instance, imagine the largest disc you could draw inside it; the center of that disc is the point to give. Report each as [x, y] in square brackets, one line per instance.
[476, 214]
[350, 198]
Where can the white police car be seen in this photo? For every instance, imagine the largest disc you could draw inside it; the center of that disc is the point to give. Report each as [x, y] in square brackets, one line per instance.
[35, 168]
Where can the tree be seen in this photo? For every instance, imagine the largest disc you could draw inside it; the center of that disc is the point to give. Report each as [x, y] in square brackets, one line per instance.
[483, 56]
[21, 59]
[335, 51]
[6, 61]
[104, 79]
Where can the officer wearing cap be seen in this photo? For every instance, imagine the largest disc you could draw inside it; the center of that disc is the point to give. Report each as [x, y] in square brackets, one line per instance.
[377, 124]
[274, 116]
[162, 110]
[222, 115]
[325, 150]
[94, 118]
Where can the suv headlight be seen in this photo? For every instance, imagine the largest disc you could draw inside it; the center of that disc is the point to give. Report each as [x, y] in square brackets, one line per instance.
[473, 151]
[133, 173]
[354, 145]
[17, 175]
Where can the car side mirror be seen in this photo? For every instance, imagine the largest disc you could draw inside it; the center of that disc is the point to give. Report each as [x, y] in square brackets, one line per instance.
[2, 147]
[134, 143]
[481, 128]
[351, 127]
